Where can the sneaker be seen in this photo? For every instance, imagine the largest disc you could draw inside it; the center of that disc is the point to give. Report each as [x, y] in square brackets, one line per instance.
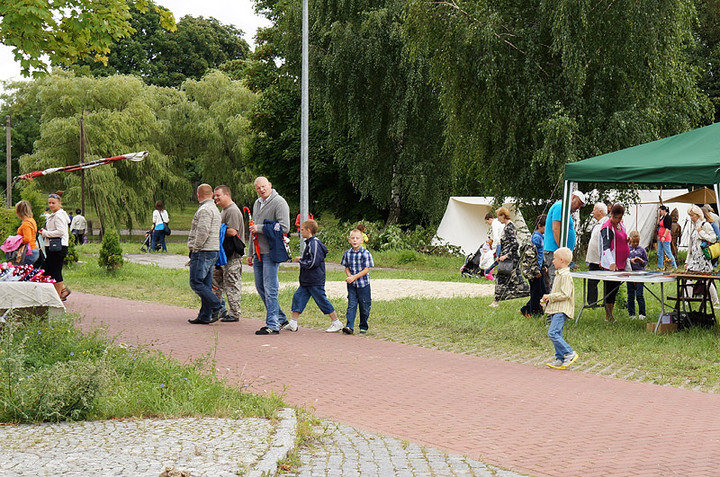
[557, 364]
[283, 324]
[642, 317]
[569, 359]
[494, 304]
[362, 332]
[290, 325]
[229, 319]
[198, 321]
[266, 331]
[335, 326]
[347, 331]
[633, 317]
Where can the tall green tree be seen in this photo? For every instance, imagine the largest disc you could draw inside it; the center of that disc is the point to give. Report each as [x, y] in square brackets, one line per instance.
[529, 86]
[383, 123]
[273, 71]
[41, 32]
[121, 116]
[167, 58]
[382, 109]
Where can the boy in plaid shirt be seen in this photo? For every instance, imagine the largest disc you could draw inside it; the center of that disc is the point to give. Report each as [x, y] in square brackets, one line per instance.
[357, 262]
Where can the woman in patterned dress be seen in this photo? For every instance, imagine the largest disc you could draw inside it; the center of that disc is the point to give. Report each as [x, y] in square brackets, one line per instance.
[512, 285]
[696, 261]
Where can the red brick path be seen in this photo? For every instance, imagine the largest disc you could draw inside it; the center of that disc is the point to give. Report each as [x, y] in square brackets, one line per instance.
[526, 418]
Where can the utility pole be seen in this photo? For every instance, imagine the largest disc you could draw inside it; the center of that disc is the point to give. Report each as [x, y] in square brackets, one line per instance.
[82, 161]
[8, 159]
[304, 130]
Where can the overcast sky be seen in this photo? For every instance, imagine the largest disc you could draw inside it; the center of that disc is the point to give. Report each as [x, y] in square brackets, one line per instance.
[239, 13]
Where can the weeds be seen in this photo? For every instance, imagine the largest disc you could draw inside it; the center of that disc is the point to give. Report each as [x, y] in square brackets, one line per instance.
[50, 371]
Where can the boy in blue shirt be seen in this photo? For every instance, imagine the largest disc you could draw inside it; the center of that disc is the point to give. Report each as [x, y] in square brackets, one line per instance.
[357, 262]
[312, 280]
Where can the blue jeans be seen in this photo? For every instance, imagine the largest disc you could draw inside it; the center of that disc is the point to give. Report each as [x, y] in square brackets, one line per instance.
[158, 236]
[358, 297]
[267, 286]
[635, 291]
[32, 258]
[555, 333]
[201, 272]
[665, 247]
[303, 294]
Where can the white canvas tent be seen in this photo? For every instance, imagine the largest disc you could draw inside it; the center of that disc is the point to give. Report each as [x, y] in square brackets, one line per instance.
[464, 222]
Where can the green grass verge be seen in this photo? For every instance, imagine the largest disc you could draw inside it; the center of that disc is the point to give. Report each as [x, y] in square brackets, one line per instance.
[50, 371]
[465, 325]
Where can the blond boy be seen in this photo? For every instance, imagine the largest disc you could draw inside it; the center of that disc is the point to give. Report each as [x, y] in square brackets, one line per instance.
[560, 306]
[357, 262]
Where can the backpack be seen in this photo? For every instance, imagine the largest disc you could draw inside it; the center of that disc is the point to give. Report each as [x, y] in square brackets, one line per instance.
[529, 261]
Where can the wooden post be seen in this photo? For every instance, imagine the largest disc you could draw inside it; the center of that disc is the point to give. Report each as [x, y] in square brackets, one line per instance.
[82, 161]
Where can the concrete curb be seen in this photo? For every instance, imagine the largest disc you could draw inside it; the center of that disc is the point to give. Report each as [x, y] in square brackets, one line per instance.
[283, 441]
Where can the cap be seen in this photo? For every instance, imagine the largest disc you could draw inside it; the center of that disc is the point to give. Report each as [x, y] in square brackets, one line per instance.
[580, 196]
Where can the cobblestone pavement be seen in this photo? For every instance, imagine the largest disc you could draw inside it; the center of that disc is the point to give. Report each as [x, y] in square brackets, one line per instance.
[210, 447]
[348, 452]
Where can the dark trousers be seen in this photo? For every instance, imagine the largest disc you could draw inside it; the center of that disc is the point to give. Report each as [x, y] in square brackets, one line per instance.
[537, 290]
[635, 292]
[592, 286]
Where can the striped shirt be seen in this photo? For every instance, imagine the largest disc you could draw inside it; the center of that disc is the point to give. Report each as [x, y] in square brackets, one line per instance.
[562, 297]
[356, 262]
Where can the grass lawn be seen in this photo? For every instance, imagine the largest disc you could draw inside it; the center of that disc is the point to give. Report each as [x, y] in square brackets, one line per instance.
[624, 349]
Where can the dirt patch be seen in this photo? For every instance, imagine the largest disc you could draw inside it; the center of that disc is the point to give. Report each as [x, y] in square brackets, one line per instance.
[386, 289]
[383, 289]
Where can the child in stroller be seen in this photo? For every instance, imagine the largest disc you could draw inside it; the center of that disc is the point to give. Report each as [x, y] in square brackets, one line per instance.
[145, 247]
[476, 263]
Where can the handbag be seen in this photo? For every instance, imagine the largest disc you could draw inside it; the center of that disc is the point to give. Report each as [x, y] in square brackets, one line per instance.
[166, 228]
[505, 267]
[710, 251]
[55, 245]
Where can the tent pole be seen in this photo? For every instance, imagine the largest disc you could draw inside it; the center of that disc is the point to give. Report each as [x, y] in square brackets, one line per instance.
[565, 224]
[717, 196]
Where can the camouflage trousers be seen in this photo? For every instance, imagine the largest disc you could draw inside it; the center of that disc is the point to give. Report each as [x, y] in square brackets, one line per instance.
[228, 279]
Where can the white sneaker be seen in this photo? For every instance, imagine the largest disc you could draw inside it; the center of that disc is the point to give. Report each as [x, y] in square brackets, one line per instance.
[642, 317]
[335, 326]
[632, 317]
[290, 325]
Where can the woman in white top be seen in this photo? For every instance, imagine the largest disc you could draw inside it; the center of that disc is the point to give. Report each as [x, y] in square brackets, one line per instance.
[56, 227]
[160, 217]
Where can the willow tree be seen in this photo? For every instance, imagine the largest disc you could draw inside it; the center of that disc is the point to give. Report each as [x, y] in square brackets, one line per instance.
[211, 130]
[527, 86]
[120, 116]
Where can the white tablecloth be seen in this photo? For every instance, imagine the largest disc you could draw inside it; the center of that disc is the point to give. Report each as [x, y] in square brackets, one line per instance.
[29, 294]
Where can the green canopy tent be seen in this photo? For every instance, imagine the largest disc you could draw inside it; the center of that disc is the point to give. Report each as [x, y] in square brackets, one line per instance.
[691, 158]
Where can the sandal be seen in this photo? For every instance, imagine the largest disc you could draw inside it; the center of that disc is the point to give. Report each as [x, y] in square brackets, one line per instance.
[64, 294]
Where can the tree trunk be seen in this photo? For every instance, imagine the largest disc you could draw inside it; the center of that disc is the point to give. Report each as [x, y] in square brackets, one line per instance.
[395, 200]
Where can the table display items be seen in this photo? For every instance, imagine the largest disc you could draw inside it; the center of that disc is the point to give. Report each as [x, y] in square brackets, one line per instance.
[23, 273]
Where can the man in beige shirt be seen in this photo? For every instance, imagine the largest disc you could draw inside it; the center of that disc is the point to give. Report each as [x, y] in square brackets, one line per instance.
[560, 306]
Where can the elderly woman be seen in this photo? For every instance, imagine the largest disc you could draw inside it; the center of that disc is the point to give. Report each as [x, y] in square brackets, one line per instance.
[614, 254]
[56, 227]
[510, 285]
[28, 230]
[701, 230]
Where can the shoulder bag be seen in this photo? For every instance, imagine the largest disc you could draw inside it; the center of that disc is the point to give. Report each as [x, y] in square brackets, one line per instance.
[505, 267]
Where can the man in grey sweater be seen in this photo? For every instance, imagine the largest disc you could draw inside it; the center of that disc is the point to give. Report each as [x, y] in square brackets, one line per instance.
[204, 244]
[272, 207]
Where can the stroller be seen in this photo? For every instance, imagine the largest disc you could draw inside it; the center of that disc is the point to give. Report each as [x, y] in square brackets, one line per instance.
[474, 266]
[147, 243]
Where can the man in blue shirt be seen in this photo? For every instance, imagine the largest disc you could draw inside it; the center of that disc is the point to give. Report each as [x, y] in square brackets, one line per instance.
[553, 224]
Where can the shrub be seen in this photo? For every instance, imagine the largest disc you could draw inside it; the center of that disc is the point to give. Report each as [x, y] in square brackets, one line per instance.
[111, 251]
[72, 253]
[8, 221]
